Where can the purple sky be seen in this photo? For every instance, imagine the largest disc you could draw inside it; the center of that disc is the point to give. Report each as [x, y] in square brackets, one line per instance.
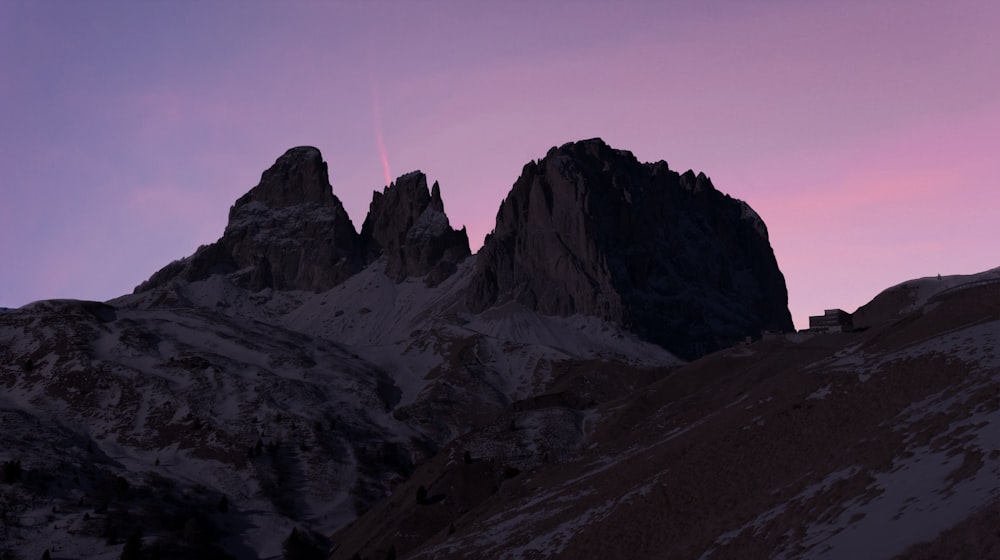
[866, 134]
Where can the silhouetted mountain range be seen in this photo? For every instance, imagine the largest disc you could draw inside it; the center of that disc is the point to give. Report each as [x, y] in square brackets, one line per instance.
[582, 387]
[585, 230]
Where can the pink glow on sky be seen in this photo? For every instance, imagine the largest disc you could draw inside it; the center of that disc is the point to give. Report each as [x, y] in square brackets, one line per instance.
[383, 155]
[864, 133]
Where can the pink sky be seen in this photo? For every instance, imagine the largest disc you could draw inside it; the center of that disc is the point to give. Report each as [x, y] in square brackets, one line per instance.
[864, 133]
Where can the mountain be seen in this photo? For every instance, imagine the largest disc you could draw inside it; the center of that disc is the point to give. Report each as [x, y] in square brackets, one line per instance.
[288, 233]
[291, 232]
[295, 370]
[588, 229]
[407, 224]
[289, 389]
[869, 444]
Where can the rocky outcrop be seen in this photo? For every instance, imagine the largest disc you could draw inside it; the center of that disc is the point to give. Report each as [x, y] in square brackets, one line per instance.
[407, 224]
[589, 229]
[289, 233]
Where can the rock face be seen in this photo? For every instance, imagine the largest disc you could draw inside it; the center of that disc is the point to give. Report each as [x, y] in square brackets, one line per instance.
[306, 409]
[586, 230]
[288, 233]
[589, 229]
[407, 224]
[290, 230]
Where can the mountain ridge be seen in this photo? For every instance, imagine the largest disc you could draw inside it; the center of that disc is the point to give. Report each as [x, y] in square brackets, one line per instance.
[581, 231]
[300, 387]
[590, 229]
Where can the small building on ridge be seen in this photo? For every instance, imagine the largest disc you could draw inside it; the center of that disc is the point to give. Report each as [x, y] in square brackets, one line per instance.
[832, 320]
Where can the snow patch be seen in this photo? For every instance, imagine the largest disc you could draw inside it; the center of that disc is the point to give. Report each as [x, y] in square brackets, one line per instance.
[820, 393]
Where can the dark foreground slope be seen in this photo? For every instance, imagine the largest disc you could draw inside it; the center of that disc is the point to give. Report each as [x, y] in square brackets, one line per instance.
[875, 444]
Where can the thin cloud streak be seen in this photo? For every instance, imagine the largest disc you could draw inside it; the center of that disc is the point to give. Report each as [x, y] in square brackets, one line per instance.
[383, 156]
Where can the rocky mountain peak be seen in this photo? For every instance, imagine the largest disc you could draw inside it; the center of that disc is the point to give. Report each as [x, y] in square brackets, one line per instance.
[436, 201]
[589, 229]
[289, 232]
[204, 406]
[299, 176]
[406, 223]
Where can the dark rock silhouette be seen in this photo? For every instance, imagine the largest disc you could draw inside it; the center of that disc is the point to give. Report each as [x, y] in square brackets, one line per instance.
[290, 232]
[589, 229]
[407, 224]
[336, 409]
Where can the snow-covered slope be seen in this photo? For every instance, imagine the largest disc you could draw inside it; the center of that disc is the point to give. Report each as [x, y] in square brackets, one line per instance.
[302, 409]
[275, 420]
[906, 297]
[875, 444]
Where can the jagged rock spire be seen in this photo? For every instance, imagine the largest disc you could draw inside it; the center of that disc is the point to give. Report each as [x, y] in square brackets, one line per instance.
[407, 224]
[298, 177]
[290, 232]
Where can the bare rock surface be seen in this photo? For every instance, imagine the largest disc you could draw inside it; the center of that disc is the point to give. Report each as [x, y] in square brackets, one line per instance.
[290, 232]
[408, 225]
[589, 229]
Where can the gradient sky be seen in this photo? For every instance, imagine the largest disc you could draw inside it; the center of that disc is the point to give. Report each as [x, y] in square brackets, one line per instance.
[866, 134]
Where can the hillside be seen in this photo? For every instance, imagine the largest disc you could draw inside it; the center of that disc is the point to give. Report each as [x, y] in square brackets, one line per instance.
[580, 387]
[874, 444]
